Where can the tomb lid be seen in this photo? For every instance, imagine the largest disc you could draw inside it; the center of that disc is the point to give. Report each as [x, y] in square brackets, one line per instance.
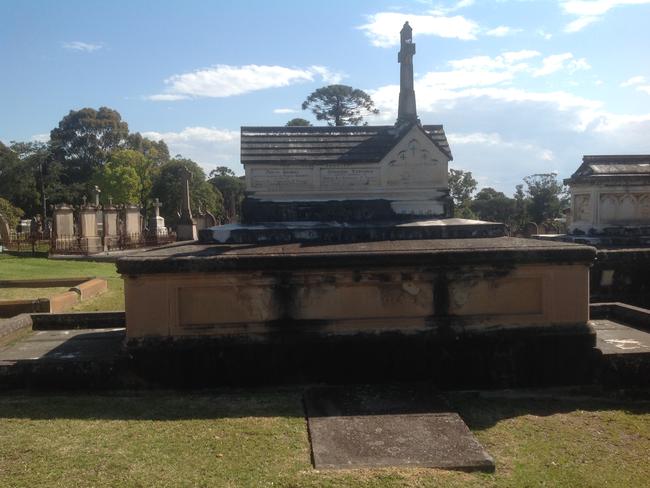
[349, 144]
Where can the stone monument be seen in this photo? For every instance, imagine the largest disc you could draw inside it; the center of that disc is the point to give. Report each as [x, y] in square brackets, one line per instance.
[610, 199]
[186, 228]
[347, 267]
[157, 223]
[111, 226]
[89, 240]
[63, 221]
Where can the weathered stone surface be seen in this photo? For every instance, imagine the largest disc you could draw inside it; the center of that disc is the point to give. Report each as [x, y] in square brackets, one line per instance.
[362, 427]
[334, 232]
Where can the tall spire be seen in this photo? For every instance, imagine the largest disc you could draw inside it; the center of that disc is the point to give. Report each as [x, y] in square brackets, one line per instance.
[407, 113]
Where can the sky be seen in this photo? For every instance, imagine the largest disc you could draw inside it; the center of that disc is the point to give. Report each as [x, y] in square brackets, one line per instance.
[520, 86]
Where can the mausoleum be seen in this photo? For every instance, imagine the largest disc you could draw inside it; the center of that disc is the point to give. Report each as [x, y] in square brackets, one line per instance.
[610, 194]
[348, 266]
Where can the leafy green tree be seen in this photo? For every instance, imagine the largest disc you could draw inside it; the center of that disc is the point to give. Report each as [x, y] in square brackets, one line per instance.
[461, 186]
[119, 182]
[340, 105]
[547, 196]
[18, 181]
[298, 122]
[145, 171]
[522, 203]
[232, 188]
[167, 187]
[157, 152]
[83, 141]
[493, 206]
[11, 212]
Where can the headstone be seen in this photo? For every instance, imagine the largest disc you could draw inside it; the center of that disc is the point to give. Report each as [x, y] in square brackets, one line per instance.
[186, 229]
[157, 223]
[90, 240]
[25, 226]
[63, 221]
[205, 220]
[5, 234]
[111, 227]
[99, 213]
[132, 222]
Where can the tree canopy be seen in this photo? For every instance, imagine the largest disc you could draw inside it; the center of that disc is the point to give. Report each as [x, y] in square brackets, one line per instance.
[232, 188]
[168, 189]
[461, 186]
[340, 105]
[298, 122]
[547, 196]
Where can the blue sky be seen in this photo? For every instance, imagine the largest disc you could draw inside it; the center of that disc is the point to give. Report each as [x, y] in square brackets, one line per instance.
[521, 87]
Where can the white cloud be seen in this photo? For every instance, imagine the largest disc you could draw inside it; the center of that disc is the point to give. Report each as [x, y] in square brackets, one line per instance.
[590, 11]
[502, 31]
[635, 80]
[284, 111]
[225, 80]
[383, 28]
[557, 62]
[86, 47]
[495, 139]
[208, 146]
[543, 34]
[328, 76]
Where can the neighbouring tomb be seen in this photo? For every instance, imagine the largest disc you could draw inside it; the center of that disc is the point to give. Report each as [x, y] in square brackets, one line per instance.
[89, 241]
[157, 223]
[64, 228]
[610, 199]
[348, 267]
[110, 225]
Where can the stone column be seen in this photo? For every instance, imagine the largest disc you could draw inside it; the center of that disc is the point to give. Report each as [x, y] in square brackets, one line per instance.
[111, 229]
[90, 240]
[63, 222]
[186, 229]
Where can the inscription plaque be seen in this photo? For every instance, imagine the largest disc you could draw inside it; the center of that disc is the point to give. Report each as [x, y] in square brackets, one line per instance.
[279, 179]
[347, 178]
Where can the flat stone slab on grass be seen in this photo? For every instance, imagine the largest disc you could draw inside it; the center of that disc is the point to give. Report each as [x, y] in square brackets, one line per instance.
[369, 427]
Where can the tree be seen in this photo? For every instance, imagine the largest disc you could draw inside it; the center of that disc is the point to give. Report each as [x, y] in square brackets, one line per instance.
[119, 182]
[167, 187]
[10, 212]
[232, 188]
[144, 168]
[547, 196]
[461, 186]
[493, 206]
[83, 141]
[157, 152]
[18, 182]
[340, 105]
[298, 122]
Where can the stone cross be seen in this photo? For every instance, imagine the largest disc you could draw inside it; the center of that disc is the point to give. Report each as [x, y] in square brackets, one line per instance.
[186, 211]
[110, 201]
[84, 199]
[156, 207]
[407, 112]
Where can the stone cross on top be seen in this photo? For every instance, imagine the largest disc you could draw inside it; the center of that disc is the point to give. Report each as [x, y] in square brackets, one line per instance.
[407, 112]
[156, 207]
[84, 199]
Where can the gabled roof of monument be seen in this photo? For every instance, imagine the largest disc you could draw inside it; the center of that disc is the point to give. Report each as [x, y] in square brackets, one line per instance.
[608, 166]
[357, 144]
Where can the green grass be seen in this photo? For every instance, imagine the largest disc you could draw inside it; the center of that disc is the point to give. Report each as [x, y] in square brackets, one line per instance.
[14, 267]
[30, 293]
[256, 438]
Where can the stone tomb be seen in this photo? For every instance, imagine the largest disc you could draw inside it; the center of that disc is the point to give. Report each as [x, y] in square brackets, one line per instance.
[341, 272]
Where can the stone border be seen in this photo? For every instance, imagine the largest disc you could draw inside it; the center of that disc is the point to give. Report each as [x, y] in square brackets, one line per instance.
[627, 314]
[81, 289]
[78, 320]
[14, 325]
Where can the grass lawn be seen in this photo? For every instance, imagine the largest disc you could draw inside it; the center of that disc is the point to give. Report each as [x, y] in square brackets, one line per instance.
[19, 267]
[255, 438]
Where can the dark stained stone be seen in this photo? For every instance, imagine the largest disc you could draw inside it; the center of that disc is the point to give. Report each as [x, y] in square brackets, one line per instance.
[406, 425]
[612, 168]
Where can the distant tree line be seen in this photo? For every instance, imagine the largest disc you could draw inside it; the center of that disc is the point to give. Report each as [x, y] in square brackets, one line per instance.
[92, 148]
[540, 198]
